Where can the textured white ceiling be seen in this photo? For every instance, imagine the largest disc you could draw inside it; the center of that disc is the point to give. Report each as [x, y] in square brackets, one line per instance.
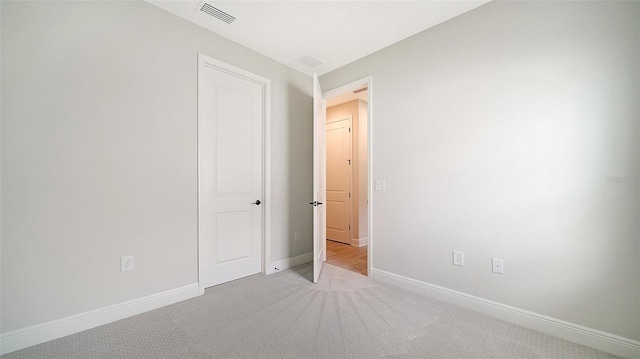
[338, 32]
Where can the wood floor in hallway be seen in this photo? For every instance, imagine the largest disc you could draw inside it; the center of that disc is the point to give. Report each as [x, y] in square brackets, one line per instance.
[348, 257]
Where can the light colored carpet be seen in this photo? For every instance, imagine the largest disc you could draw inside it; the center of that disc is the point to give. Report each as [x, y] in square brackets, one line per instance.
[284, 315]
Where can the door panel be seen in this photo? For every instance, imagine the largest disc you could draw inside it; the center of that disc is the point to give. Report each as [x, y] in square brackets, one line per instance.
[319, 179]
[234, 151]
[230, 117]
[233, 225]
[339, 181]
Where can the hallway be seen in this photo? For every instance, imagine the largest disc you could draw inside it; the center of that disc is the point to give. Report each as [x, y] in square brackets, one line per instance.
[348, 257]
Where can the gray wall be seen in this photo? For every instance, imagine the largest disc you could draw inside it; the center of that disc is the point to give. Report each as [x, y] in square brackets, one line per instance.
[496, 133]
[99, 112]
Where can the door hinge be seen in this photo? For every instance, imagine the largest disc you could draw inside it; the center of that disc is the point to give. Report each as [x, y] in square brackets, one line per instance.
[349, 227]
[349, 194]
[349, 129]
[349, 160]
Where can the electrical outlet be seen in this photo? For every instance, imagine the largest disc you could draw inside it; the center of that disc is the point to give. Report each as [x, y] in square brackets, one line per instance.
[498, 265]
[126, 263]
[380, 185]
[297, 235]
[458, 258]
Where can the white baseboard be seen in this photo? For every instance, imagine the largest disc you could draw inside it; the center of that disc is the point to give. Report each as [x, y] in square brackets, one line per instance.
[289, 263]
[607, 342]
[359, 242]
[40, 333]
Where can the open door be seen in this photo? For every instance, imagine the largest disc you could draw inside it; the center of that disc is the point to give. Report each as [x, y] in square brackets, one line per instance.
[319, 179]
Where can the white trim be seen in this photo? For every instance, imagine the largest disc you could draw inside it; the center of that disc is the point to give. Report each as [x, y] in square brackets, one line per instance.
[204, 60]
[359, 242]
[40, 333]
[289, 263]
[370, 174]
[266, 175]
[607, 342]
[367, 81]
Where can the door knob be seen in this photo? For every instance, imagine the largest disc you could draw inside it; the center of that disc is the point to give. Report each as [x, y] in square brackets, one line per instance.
[257, 202]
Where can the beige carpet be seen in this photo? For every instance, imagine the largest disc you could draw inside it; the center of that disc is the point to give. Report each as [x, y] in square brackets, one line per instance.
[284, 315]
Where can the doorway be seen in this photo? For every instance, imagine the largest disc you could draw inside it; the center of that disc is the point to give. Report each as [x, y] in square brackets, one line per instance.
[347, 173]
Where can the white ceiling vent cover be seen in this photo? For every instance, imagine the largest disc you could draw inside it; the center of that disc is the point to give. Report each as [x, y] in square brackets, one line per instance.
[310, 61]
[211, 10]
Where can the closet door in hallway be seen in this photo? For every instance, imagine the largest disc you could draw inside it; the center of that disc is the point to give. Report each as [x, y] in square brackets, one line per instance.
[339, 180]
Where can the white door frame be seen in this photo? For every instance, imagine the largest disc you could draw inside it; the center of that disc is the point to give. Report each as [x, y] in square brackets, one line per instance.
[355, 85]
[266, 154]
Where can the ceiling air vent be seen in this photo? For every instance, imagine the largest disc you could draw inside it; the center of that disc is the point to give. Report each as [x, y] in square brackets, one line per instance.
[215, 12]
[360, 90]
[311, 60]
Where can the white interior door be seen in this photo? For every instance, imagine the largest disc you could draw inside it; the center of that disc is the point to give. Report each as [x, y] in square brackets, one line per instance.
[230, 125]
[339, 180]
[319, 179]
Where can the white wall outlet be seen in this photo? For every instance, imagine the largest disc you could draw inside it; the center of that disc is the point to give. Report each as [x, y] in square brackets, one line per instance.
[297, 235]
[126, 263]
[458, 258]
[498, 265]
[380, 185]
